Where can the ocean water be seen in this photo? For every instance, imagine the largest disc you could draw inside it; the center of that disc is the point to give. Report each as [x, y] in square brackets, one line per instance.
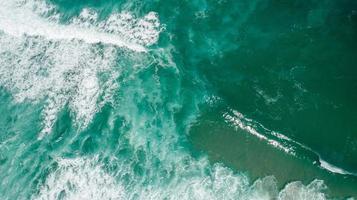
[201, 99]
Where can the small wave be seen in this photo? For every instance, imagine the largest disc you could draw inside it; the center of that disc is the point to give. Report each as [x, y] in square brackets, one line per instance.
[280, 141]
[238, 120]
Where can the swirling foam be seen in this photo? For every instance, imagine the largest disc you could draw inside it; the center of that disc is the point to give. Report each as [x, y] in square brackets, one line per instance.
[60, 73]
[44, 60]
[80, 179]
[84, 178]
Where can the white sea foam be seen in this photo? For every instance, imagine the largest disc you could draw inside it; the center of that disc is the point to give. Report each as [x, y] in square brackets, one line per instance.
[42, 59]
[18, 18]
[298, 191]
[80, 179]
[85, 178]
[141, 31]
[60, 73]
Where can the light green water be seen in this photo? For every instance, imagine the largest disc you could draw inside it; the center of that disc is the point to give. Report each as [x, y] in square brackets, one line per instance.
[178, 99]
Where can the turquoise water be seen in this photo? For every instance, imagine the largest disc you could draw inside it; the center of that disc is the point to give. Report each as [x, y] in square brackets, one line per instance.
[178, 99]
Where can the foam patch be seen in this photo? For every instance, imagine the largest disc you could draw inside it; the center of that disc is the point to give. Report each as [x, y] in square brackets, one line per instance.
[42, 59]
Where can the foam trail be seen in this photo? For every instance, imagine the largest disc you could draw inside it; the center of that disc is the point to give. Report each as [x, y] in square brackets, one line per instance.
[334, 169]
[18, 20]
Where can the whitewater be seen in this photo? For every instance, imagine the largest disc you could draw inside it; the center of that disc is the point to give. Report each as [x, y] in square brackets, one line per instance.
[96, 110]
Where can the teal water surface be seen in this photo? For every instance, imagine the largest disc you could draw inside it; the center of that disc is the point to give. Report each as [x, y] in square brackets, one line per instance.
[178, 99]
